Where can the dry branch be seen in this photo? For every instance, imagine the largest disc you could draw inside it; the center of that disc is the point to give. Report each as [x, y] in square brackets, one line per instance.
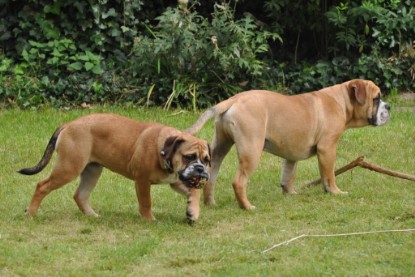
[386, 171]
[360, 162]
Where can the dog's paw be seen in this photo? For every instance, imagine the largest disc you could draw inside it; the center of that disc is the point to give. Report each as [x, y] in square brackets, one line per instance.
[250, 208]
[191, 222]
[191, 218]
[149, 218]
[337, 192]
[91, 213]
[210, 202]
[29, 213]
[292, 192]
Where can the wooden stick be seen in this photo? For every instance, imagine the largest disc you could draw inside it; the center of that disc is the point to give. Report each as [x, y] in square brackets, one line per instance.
[360, 162]
[348, 166]
[386, 171]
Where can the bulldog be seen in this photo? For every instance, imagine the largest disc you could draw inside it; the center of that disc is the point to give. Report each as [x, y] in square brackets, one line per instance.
[148, 153]
[292, 127]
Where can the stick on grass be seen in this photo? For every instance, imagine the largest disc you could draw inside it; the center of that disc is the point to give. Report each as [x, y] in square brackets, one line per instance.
[335, 235]
[360, 162]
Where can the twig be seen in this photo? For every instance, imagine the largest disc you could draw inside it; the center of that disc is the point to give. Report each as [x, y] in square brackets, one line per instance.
[335, 235]
[386, 171]
[285, 242]
[360, 162]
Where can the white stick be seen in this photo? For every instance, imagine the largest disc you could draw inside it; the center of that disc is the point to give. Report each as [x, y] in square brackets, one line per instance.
[336, 235]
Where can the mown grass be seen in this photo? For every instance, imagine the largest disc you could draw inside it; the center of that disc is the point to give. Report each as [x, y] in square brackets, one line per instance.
[226, 241]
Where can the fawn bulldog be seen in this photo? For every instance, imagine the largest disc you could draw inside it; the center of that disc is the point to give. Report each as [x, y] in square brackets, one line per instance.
[292, 127]
[148, 153]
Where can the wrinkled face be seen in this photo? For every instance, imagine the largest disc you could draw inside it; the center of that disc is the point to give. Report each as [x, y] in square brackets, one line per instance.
[189, 157]
[369, 108]
[194, 174]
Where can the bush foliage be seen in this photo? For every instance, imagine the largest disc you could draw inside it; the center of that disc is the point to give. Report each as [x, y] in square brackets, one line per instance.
[192, 54]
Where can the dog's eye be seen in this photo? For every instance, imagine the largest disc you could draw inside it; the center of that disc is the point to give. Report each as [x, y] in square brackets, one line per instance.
[206, 160]
[189, 158]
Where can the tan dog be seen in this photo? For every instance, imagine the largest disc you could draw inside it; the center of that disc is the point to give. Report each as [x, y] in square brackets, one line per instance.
[292, 127]
[147, 153]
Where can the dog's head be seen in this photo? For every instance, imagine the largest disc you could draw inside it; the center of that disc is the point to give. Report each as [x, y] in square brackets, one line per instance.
[368, 106]
[189, 157]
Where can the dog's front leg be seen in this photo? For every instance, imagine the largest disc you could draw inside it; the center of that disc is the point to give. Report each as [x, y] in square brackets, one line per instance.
[326, 160]
[193, 205]
[144, 200]
[180, 188]
[193, 201]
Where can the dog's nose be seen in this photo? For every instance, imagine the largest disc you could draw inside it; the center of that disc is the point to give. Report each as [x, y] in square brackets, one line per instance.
[199, 168]
[387, 107]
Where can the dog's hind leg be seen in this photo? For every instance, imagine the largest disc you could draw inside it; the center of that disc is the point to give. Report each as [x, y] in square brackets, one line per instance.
[89, 178]
[247, 165]
[250, 142]
[57, 179]
[288, 176]
[220, 147]
[69, 165]
[43, 188]
[249, 154]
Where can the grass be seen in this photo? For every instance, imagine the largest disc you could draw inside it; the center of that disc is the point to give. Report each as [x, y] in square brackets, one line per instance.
[226, 241]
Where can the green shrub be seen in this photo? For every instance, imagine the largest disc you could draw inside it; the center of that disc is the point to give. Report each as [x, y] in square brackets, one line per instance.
[188, 56]
[65, 53]
[382, 31]
[388, 73]
[104, 27]
[57, 49]
[370, 40]
[30, 83]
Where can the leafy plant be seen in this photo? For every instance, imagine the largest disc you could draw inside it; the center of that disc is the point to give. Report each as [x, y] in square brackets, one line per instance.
[186, 49]
[87, 61]
[58, 57]
[197, 53]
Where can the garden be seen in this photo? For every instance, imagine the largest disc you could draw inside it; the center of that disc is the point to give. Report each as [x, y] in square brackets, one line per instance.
[168, 61]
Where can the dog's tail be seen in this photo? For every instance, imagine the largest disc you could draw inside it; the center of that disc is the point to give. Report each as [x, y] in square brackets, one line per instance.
[46, 156]
[220, 108]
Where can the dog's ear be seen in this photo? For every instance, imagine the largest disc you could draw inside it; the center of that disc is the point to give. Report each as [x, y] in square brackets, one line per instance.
[170, 146]
[358, 89]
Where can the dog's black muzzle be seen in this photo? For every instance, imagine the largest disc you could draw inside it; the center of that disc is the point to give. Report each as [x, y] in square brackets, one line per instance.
[194, 176]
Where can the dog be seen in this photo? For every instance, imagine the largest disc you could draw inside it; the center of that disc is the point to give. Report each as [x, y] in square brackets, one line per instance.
[148, 153]
[292, 127]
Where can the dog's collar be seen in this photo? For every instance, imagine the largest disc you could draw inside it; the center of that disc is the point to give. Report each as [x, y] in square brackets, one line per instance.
[166, 162]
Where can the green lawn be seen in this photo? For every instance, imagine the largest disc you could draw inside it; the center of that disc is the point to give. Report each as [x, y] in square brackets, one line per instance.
[226, 241]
